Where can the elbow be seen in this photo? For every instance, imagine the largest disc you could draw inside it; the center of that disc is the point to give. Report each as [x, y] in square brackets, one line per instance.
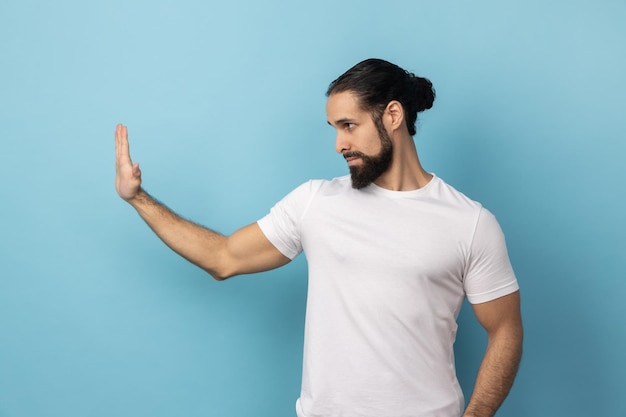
[218, 277]
[220, 266]
[214, 275]
[219, 274]
[217, 267]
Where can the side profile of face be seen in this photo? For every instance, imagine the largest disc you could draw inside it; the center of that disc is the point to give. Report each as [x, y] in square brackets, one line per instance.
[363, 142]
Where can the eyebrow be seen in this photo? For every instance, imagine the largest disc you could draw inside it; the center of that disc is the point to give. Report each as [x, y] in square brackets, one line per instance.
[341, 121]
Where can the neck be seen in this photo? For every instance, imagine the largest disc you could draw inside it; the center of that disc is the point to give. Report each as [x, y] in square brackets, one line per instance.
[405, 172]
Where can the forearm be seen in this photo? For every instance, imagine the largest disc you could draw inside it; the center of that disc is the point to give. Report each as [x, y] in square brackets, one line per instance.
[496, 374]
[245, 251]
[199, 245]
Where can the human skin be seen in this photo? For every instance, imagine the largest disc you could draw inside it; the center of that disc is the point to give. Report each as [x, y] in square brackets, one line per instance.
[501, 318]
[247, 250]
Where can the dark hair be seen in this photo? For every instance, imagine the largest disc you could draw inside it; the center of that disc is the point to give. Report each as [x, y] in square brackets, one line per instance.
[377, 82]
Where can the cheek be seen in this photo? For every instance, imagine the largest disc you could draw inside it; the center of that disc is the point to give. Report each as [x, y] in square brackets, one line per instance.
[373, 144]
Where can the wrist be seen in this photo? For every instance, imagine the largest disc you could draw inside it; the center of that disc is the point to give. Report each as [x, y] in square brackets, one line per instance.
[139, 198]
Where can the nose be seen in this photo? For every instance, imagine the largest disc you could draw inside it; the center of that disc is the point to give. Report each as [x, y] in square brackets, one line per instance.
[341, 143]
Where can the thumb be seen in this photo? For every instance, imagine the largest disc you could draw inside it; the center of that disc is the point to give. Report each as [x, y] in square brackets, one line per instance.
[136, 170]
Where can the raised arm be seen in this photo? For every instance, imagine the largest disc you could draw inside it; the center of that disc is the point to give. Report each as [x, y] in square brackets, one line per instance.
[502, 320]
[245, 251]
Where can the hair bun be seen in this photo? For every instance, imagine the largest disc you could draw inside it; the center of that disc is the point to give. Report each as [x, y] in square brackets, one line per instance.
[424, 92]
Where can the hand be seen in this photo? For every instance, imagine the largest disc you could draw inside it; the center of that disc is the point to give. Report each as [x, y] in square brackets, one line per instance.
[127, 175]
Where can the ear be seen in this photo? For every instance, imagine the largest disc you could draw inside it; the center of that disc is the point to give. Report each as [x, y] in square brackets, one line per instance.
[394, 115]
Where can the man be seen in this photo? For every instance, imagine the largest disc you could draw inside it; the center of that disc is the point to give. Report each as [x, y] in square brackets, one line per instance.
[392, 252]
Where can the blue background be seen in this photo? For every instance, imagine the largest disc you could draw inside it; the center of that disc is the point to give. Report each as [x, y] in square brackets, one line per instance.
[225, 107]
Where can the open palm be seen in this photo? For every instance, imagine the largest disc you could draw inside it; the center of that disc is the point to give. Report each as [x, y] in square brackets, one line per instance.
[127, 175]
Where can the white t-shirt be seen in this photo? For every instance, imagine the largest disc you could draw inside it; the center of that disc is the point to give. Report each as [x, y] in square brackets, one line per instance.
[388, 272]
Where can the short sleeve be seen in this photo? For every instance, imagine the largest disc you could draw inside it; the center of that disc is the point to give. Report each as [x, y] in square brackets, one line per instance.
[281, 225]
[489, 274]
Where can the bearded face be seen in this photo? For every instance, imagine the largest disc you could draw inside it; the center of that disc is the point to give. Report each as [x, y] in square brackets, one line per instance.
[372, 166]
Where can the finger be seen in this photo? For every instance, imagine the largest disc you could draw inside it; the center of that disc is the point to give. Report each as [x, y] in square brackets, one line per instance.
[121, 138]
[118, 141]
[118, 151]
[117, 146]
[125, 145]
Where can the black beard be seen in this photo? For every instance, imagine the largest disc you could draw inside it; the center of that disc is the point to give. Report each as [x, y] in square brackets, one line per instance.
[371, 167]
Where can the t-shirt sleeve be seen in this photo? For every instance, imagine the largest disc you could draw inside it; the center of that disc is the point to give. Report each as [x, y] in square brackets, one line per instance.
[281, 225]
[489, 273]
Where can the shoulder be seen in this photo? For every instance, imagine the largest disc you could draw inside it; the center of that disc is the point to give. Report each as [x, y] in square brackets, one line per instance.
[324, 186]
[303, 194]
[450, 201]
[484, 219]
[450, 195]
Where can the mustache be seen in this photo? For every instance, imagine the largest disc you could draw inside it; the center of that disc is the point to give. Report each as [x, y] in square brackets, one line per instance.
[353, 154]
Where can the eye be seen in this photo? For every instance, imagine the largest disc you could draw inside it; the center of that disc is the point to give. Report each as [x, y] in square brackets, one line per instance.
[349, 126]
